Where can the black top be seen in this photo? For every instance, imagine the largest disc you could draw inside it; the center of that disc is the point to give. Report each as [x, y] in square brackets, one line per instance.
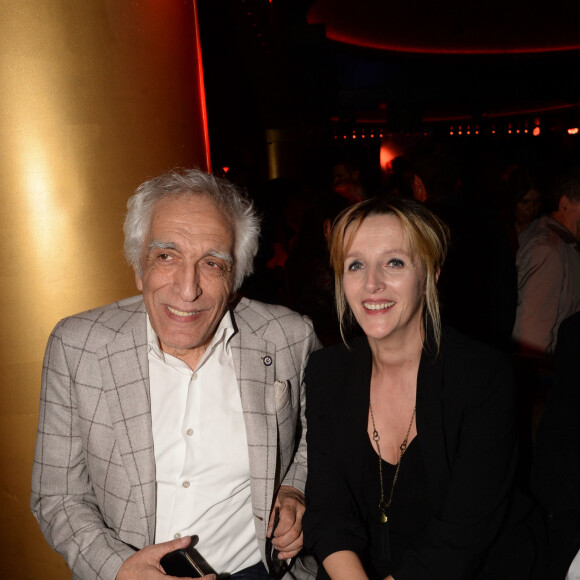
[465, 421]
[408, 514]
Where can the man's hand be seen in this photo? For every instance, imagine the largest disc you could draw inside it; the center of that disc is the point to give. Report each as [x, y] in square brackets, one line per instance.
[287, 538]
[144, 564]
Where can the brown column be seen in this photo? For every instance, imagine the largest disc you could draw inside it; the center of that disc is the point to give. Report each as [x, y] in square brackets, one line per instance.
[95, 97]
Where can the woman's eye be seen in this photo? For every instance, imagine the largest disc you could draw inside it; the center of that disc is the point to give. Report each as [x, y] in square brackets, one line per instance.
[395, 263]
[354, 266]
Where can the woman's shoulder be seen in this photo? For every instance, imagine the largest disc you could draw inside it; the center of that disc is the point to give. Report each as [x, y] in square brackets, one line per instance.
[340, 354]
[458, 347]
[472, 366]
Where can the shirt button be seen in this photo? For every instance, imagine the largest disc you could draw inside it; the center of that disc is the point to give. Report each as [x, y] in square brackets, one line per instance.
[194, 377]
[189, 432]
[186, 484]
[177, 536]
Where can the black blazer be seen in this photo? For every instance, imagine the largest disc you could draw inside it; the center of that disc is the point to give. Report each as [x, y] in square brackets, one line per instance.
[465, 418]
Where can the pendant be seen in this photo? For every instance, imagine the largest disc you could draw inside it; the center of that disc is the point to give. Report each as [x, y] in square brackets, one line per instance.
[383, 512]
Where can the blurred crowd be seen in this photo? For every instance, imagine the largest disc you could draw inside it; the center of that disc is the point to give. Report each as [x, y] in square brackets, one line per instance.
[511, 279]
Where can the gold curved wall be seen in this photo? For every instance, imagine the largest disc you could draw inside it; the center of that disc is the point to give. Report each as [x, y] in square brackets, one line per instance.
[95, 97]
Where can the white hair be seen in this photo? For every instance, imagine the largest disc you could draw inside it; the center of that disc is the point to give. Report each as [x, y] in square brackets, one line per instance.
[225, 195]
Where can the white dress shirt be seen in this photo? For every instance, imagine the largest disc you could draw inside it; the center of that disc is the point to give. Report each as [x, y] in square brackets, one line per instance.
[201, 453]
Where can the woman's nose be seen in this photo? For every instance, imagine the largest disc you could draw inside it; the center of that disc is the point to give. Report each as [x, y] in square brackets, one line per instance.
[374, 280]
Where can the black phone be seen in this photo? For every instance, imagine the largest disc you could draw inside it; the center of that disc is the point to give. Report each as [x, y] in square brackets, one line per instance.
[186, 563]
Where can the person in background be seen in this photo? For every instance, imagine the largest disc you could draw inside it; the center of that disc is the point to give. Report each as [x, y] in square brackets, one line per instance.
[411, 436]
[346, 180]
[309, 279]
[522, 203]
[180, 411]
[478, 294]
[548, 267]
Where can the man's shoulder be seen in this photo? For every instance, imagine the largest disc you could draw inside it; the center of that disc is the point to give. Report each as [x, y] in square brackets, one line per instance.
[271, 320]
[545, 234]
[107, 321]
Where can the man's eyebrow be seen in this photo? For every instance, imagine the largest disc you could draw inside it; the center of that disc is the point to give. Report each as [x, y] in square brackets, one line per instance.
[159, 245]
[222, 256]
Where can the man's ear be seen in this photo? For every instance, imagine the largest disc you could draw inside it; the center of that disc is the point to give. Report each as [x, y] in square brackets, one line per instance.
[418, 187]
[563, 203]
[138, 281]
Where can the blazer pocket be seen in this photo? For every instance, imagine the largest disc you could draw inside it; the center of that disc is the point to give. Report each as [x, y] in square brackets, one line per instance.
[283, 396]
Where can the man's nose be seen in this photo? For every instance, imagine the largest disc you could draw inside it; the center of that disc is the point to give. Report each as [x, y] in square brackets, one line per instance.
[187, 283]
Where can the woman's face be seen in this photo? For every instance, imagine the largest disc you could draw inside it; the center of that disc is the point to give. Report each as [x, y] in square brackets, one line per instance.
[383, 287]
[528, 208]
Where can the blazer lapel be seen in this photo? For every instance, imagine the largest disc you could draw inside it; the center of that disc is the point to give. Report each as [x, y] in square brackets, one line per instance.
[255, 364]
[430, 405]
[125, 377]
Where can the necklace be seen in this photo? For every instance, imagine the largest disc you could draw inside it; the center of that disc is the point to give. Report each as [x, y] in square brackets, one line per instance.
[384, 505]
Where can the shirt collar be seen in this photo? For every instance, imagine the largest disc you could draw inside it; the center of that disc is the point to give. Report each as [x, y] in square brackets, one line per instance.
[561, 230]
[223, 335]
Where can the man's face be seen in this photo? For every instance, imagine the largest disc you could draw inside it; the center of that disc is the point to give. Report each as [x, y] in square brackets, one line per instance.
[187, 273]
[570, 212]
[573, 214]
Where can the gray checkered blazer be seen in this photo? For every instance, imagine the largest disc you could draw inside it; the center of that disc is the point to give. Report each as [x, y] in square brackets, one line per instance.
[93, 483]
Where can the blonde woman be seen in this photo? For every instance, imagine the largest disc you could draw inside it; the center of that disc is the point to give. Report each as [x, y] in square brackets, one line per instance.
[411, 441]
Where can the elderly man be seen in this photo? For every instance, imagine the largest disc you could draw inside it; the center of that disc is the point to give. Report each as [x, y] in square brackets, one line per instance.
[548, 264]
[179, 412]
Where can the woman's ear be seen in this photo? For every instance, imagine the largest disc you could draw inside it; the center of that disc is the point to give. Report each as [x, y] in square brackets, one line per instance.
[437, 272]
[326, 227]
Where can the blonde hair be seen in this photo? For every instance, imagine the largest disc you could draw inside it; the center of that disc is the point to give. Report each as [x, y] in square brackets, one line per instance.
[426, 234]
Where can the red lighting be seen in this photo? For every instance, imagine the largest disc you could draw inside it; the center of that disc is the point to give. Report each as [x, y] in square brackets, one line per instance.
[573, 131]
[225, 169]
[536, 131]
[201, 85]
[503, 28]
